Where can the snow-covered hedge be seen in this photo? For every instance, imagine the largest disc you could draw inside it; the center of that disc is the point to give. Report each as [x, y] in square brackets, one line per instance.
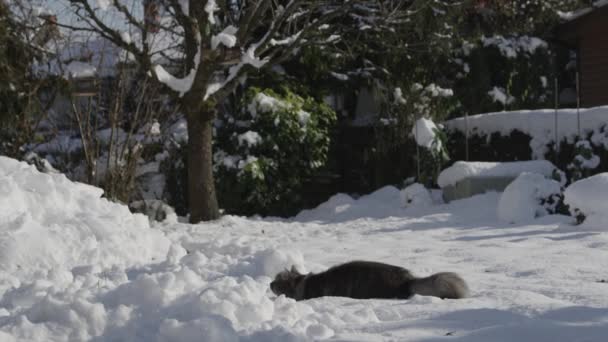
[530, 134]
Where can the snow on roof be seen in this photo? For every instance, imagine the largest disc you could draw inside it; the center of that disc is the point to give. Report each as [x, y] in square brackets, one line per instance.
[573, 15]
[78, 69]
[539, 124]
[461, 170]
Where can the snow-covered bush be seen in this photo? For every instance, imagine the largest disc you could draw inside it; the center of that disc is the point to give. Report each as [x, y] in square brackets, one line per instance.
[433, 154]
[267, 151]
[588, 201]
[530, 195]
[415, 195]
[264, 154]
[499, 72]
[584, 162]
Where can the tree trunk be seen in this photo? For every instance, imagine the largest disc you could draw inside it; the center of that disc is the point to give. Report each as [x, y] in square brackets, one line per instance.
[201, 186]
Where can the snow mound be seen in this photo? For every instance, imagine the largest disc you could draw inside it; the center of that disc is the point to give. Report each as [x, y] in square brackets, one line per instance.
[341, 207]
[416, 195]
[522, 200]
[590, 196]
[461, 170]
[50, 225]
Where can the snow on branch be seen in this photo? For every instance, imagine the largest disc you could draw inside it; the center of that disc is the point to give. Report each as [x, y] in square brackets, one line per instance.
[180, 85]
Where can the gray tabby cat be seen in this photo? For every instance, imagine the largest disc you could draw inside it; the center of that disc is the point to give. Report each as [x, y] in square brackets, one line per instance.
[367, 279]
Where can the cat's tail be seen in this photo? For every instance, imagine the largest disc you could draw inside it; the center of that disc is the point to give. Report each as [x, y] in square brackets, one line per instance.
[442, 285]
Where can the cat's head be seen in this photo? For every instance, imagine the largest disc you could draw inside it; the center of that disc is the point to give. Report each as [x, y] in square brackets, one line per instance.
[286, 282]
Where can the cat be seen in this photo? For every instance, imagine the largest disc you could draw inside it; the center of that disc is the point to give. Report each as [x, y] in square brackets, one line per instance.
[367, 279]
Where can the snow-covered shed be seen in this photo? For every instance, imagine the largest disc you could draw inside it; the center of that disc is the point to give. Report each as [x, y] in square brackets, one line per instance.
[585, 32]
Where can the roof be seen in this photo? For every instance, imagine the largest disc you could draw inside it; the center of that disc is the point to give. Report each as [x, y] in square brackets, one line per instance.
[569, 30]
[576, 15]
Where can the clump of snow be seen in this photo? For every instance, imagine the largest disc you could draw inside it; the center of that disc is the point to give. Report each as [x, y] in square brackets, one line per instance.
[126, 37]
[461, 170]
[425, 133]
[584, 159]
[303, 117]
[437, 91]
[339, 76]
[398, 94]
[265, 104]
[499, 94]
[589, 196]
[527, 198]
[226, 37]
[249, 138]
[511, 46]
[538, 124]
[211, 7]
[49, 226]
[416, 195]
[250, 58]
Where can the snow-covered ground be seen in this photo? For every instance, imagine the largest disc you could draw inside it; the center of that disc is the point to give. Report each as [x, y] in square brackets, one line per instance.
[75, 267]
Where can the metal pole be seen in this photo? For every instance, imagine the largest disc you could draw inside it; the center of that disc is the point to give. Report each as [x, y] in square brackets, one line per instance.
[578, 105]
[466, 136]
[417, 150]
[555, 120]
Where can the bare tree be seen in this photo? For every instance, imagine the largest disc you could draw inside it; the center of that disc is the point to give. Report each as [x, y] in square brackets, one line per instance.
[213, 44]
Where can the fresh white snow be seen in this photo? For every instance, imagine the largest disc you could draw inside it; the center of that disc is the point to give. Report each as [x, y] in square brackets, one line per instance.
[75, 267]
[461, 170]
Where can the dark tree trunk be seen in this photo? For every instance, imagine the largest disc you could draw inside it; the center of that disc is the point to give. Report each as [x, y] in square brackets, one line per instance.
[201, 185]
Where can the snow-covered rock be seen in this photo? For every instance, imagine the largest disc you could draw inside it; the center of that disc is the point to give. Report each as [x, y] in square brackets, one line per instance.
[461, 170]
[529, 196]
[416, 195]
[589, 196]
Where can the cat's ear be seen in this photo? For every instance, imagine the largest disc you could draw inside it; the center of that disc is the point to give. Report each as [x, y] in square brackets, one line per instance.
[294, 269]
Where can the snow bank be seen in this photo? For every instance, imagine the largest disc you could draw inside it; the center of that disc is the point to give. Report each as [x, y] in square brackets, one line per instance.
[461, 170]
[539, 124]
[49, 226]
[76, 267]
[590, 196]
[522, 199]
